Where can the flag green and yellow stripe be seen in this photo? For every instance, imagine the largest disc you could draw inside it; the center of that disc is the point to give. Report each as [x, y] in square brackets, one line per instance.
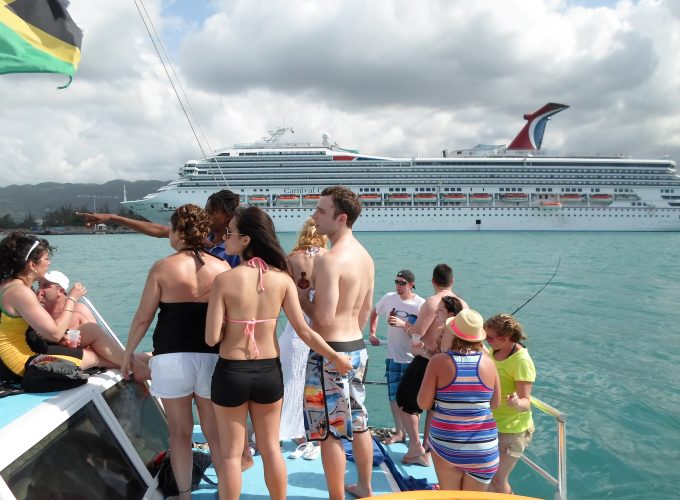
[37, 37]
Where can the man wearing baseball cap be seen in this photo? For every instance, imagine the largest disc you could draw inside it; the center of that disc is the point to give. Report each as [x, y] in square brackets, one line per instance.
[399, 306]
[52, 295]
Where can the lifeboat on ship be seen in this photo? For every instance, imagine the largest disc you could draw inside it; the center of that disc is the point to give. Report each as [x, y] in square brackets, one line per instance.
[370, 198]
[399, 198]
[311, 199]
[601, 199]
[514, 197]
[454, 197]
[550, 205]
[480, 198]
[257, 200]
[287, 199]
[426, 198]
[570, 198]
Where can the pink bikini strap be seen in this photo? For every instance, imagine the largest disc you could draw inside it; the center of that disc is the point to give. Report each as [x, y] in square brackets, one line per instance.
[262, 268]
[249, 330]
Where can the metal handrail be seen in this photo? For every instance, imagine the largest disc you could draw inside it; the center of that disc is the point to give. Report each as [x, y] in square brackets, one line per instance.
[100, 319]
[561, 482]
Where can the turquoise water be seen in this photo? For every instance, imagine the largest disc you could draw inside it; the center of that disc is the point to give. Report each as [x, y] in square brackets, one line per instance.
[603, 335]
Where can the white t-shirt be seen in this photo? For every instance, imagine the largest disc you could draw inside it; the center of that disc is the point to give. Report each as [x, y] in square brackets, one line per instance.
[398, 343]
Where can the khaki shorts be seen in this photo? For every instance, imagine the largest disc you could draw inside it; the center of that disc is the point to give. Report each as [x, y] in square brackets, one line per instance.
[515, 443]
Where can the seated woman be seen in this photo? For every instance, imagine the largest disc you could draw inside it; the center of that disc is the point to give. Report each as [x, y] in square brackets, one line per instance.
[182, 363]
[27, 330]
[464, 386]
[244, 306]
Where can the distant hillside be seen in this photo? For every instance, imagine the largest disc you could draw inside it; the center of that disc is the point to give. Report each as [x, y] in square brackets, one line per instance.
[19, 200]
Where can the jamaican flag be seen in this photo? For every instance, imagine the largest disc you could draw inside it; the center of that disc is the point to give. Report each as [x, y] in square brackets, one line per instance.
[38, 36]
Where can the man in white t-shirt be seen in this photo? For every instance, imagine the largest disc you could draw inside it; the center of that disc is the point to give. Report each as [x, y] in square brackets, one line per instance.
[405, 305]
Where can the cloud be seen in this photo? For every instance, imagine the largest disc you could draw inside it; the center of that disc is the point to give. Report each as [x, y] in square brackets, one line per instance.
[390, 78]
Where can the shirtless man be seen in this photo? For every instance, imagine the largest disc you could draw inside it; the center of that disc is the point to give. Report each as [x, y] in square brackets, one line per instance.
[425, 326]
[220, 206]
[52, 295]
[343, 280]
[429, 331]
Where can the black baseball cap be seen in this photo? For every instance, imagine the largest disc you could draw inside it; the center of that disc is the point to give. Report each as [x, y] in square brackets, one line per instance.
[407, 275]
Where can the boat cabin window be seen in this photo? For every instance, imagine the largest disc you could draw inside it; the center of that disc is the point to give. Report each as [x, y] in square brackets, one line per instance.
[140, 416]
[79, 459]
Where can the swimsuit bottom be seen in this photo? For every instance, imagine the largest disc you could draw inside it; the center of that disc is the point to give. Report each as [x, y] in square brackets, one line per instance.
[237, 381]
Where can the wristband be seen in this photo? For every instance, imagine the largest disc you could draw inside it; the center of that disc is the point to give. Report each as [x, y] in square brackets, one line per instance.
[71, 298]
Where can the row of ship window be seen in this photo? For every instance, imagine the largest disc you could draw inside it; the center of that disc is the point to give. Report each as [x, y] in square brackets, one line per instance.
[537, 214]
[427, 210]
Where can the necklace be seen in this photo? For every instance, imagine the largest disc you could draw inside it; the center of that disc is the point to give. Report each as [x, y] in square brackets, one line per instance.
[512, 351]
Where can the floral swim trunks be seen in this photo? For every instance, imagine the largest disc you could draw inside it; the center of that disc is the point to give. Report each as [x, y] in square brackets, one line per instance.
[335, 402]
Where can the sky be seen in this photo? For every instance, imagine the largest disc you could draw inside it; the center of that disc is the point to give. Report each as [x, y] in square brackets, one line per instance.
[386, 77]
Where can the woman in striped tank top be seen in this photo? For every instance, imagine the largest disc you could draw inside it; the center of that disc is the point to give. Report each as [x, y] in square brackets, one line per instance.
[464, 386]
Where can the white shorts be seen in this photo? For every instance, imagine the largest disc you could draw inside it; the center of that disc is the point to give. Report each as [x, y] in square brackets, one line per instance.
[180, 374]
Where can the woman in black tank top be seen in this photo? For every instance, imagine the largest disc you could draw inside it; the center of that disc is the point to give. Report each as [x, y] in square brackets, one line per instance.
[178, 287]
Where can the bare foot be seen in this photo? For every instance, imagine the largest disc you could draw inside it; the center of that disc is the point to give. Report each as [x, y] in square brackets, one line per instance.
[246, 463]
[397, 438]
[358, 491]
[422, 459]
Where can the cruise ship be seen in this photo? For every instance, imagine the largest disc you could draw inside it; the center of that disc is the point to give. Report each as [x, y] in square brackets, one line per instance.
[518, 187]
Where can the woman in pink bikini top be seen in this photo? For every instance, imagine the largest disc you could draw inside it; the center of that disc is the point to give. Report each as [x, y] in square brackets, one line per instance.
[242, 313]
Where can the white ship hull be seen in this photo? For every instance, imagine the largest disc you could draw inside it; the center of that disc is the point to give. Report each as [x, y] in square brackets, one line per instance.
[482, 218]
[488, 188]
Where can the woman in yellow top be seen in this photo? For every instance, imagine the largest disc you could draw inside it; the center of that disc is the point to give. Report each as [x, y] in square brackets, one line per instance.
[26, 329]
[517, 375]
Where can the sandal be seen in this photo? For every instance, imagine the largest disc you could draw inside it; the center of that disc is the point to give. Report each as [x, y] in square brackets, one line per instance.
[312, 452]
[301, 450]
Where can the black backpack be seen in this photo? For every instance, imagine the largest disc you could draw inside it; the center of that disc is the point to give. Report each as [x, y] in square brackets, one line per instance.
[48, 373]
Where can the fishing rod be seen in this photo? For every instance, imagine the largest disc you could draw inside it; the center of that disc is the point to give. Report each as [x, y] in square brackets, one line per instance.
[542, 288]
[375, 382]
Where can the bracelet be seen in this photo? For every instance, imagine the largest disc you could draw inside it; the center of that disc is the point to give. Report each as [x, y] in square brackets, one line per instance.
[71, 298]
[68, 310]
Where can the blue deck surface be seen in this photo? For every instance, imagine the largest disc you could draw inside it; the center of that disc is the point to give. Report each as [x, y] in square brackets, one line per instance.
[17, 405]
[306, 479]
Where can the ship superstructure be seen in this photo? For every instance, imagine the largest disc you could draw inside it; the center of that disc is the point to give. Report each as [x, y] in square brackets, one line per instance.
[519, 187]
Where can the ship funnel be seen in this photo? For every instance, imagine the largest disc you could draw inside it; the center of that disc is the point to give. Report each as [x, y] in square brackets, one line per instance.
[531, 136]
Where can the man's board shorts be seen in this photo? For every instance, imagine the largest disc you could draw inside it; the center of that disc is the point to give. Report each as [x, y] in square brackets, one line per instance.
[335, 402]
[393, 373]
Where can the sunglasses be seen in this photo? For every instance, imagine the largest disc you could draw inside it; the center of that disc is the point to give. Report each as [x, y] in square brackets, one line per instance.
[400, 282]
[229, 233]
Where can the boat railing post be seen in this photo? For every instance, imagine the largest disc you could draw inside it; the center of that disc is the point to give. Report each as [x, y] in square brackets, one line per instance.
[560, 482]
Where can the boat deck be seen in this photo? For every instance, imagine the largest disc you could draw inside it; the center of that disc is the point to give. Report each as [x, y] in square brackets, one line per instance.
[306, 479]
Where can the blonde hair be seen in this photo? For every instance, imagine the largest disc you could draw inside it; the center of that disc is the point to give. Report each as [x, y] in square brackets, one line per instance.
[308, 237]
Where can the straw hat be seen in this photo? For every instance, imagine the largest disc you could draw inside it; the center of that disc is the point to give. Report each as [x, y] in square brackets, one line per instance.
[467, 325]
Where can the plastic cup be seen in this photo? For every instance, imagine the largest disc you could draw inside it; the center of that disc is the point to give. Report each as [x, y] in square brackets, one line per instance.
[72, 337]
[415, 339]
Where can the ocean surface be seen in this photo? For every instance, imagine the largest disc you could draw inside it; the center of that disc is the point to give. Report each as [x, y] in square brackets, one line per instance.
[604, 335]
